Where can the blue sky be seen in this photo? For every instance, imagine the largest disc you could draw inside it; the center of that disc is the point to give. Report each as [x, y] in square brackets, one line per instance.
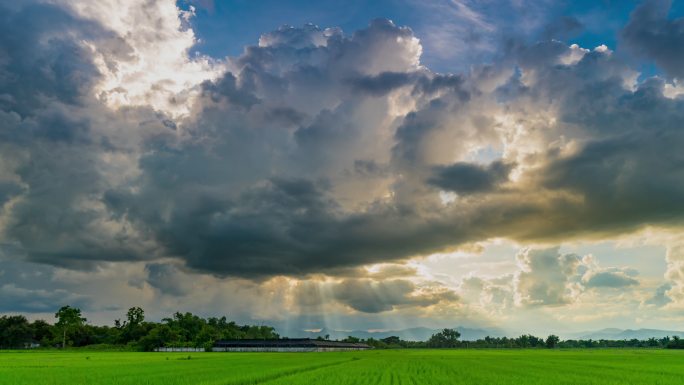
[226, 27]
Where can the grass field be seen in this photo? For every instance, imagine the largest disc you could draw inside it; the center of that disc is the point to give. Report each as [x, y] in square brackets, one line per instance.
[370, 367]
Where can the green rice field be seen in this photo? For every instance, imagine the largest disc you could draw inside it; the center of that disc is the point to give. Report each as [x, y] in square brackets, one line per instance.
[419, 367]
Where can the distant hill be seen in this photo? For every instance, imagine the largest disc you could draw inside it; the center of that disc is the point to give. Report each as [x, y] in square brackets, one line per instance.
[624, 334]
[410, 334]
[471, 334]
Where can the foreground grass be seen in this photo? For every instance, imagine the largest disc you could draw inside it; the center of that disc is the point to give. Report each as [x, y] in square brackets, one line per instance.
[395, 367]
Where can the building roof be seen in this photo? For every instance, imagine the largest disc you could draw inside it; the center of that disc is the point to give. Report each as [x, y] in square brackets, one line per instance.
[288, 343]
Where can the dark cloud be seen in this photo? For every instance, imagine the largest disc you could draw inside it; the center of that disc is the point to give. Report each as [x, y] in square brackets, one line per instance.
[32, 287]
[50, 142]
[17, 299]
[227, 89]
[469, 178]
[167, 279]
[383, 83]
[43, 57]
[369, 168]
[319, 152]
[8, 190]
[615, 172]
[441, 82]
[224, 212]
[283, 227]
[651, 34]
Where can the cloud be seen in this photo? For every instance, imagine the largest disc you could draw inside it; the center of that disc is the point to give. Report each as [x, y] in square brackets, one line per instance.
[293, 182]
[546, 277]
[152, 65]
[43, 59]
[369, 295]
[660, 297]
[374, 297]
[386, 270]
[611, 278]
[317, 151]
[383, 83]
[651, 34]
[495, 295]
[464, 178]
[16, 299]
[674, 256]
[308, 36]
[28, 287]
[167, 279]
[236, 217]
[61, 146]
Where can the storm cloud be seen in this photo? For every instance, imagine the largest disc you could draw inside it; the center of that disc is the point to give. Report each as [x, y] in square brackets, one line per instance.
[464, 178]
[651, 34]
[317, 151]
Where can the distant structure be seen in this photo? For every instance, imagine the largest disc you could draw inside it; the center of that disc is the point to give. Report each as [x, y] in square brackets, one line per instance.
[172, 349]
[286, 345]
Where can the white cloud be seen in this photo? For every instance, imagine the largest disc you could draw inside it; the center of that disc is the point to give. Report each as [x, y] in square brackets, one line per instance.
[546, 277]
[154, 65]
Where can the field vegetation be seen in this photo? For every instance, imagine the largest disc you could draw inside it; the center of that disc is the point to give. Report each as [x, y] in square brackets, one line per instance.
[407, 366]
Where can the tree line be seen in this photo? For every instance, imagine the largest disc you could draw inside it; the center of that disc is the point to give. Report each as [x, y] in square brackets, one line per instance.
[448, 338]
[133, 333]
[188, 330]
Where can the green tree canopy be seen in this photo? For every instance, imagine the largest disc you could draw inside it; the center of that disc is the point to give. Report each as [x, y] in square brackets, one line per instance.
[447, 338]
[68, 318]
[15, 331]
[552, 341]
[135, 315]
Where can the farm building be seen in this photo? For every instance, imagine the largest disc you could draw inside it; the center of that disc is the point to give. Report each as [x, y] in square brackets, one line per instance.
[285, 345]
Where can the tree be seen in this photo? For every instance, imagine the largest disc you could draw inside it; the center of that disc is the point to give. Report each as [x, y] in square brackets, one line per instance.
[529, 341]
[132, 329]
[447, 338]
[552, 341]
[351, 339]
[391, 340]
[675, 343]
[135, 316]
[159, 336]
[15, 331]
[187, 325]
[68, 317]
[42, 332]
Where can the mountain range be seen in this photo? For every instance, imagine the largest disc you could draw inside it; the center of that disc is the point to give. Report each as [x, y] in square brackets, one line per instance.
[470, 334]
[410, 334]
[623, 334]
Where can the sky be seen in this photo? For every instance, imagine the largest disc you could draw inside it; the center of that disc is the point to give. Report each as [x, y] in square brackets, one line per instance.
[512, 165]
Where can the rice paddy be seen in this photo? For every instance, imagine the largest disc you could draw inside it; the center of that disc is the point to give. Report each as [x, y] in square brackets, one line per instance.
[424, 367]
